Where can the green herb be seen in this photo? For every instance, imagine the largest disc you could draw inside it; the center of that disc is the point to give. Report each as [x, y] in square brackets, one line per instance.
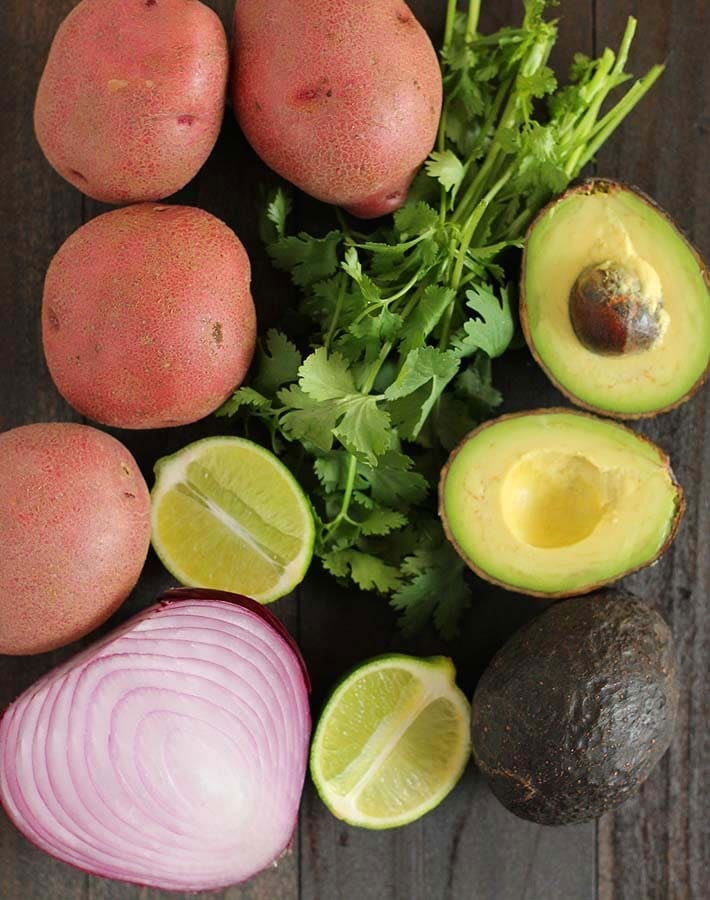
[404, 321]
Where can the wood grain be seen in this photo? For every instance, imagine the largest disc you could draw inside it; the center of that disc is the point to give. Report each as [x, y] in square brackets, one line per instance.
[656, 846]
[470, 847]
[38, 211]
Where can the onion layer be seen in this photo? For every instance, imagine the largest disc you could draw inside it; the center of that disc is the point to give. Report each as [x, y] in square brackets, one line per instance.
[172, 754]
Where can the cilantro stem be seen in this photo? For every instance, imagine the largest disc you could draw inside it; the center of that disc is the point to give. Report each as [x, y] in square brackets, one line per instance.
[519, 225]
[626, 41]
[393, 248]
[376, 367]
[533, 61]
[464, 246]
[406, 288]
[367, 387]
[333, 526]
[473, 223]
[615, 117]
[342, 516]
[443, 122]
[474, 14]
[491, 118]
[336, 312]
[450, 25]
[470, 198]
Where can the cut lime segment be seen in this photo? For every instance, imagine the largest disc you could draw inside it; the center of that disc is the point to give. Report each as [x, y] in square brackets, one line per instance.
[392, 742]
[228, 515]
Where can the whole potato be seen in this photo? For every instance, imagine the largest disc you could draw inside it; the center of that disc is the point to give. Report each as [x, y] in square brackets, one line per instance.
[148, 319]
[341, 97]
[132, 97]
[74, 533]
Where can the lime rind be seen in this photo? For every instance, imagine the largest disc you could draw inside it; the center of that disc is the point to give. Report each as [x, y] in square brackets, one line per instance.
[437, 676]
[170, 475]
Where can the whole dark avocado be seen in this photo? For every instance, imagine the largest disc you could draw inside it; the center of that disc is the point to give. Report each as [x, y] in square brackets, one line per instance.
[576, 710]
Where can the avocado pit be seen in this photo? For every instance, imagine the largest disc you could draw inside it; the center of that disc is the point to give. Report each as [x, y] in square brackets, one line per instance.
[612, 314]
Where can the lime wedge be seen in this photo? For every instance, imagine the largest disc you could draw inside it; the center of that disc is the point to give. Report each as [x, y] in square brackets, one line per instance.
[393, 741]
[228, 515]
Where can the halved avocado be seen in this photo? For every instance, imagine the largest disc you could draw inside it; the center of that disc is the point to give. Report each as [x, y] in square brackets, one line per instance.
[615, 303]
[556, 502]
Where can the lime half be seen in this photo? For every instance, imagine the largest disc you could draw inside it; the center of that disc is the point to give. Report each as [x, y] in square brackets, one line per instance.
[228, 515]
[393, 741]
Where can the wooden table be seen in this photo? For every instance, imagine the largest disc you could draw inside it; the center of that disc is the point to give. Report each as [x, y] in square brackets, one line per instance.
[655, 847]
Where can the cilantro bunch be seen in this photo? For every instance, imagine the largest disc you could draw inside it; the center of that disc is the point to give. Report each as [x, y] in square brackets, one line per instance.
[404, 321]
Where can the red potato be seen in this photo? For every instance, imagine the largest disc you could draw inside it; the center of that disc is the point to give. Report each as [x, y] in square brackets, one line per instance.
[132, 98]
[340, 97]
[74, 533]
[148, 319]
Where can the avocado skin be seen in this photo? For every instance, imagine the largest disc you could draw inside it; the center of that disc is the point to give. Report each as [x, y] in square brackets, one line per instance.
[576, 710]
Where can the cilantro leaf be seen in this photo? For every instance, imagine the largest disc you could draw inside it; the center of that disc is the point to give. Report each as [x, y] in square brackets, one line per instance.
[351, 264]
[416, 601]
[325, 376]
[539, 84]
[434, 303]
[447, 168]
[305, 419]
[420, 367]
[243, 397]
[435, 584]
[278, 363]
[493, 330]
[475, 384]
[278, 210]
[367, 571]
[415, 219]
[365, 429]
[393, 483]
[383, 327]
[331, 471]
[424, 366]
[382, 521]
[326, 406]
[308, 259]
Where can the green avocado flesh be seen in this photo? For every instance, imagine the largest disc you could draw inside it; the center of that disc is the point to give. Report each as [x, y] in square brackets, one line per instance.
[577, 709]
[556, 502]
[603, 223]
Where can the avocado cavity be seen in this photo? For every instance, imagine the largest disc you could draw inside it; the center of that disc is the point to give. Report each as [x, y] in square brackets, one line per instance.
[555, 503]
[551, 499]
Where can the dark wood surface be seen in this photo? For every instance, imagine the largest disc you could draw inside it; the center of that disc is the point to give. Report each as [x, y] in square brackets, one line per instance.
[655, 847]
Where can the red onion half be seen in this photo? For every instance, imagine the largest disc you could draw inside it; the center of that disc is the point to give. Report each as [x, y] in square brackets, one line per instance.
[172, 754]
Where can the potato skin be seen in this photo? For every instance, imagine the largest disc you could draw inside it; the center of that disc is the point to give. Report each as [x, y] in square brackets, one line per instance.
[132, 98]
[148, 319]
[74, 533]
[342, 98]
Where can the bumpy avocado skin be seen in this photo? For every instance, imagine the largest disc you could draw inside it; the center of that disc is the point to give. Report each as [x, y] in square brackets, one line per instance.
[576, 710]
